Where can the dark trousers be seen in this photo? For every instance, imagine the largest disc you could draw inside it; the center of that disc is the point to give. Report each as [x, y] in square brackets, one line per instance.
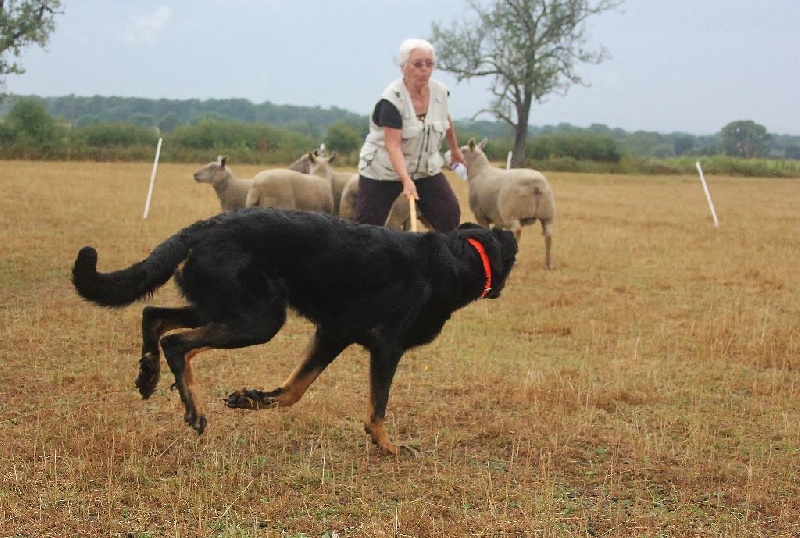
[437, 201]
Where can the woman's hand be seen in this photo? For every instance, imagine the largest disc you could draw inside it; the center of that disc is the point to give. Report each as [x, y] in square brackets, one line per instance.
[410, 189]
[456, 157]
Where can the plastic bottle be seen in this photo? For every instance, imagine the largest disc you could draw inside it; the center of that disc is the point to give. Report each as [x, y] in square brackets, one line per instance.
[460, 170]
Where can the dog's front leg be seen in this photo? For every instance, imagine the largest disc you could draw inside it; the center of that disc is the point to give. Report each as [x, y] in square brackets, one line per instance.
[323, 349]
[382, 368]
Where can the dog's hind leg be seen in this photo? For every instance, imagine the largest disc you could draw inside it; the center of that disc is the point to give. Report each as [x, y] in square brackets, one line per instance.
[324, 347]
[155, 322]
[244, 329]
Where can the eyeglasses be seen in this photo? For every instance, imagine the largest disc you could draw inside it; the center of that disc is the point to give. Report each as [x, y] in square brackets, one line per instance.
[419, 63]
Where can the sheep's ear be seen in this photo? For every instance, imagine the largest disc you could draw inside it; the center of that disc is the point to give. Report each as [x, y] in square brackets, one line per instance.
[312, 156]
[223, 160]
[471, 143]
[483, 143]
[333, 156]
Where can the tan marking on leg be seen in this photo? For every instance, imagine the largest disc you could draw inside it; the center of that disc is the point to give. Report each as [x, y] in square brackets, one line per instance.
[374, 427]
[296, 385]
[192, 392]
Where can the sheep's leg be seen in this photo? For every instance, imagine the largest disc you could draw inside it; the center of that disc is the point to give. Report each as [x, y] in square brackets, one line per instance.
[323, 349]
[516, 228]
[155, 322]
[548, 240]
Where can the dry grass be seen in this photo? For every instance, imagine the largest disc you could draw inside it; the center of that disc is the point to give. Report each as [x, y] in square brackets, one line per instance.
[647, 386]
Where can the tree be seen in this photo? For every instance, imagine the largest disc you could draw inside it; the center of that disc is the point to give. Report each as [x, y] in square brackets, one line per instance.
[745, 139]
[32, 124]
[23, 23]
[531, 47]
[169, 122]
[343, 137]
[683, 143]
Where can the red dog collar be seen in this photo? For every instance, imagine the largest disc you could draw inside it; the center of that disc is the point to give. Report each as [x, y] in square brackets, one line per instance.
[486, 267]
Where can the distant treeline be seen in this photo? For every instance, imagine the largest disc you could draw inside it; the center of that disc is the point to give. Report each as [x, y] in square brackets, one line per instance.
[127, 128]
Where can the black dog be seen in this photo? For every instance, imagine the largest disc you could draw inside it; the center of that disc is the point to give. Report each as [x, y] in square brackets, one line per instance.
[383, 289]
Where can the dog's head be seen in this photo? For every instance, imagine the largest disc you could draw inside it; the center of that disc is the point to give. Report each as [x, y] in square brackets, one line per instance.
[501, 249]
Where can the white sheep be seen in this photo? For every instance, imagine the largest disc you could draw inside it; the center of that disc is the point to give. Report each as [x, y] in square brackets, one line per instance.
[508, 199]
[339, 179]
[232, 191]
[399, 217]
[302, 164]
[290, 189]
[347, 200]
[339, 183]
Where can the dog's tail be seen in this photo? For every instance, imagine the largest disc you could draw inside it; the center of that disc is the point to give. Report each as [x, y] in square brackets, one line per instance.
[139, 281]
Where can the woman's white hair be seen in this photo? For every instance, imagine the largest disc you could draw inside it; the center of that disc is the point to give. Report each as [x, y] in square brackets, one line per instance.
[413, 44]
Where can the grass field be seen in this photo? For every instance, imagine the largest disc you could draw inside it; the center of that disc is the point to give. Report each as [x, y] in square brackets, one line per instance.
[649, 385]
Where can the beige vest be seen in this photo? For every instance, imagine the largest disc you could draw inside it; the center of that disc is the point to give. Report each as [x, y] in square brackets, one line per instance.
[421, 143]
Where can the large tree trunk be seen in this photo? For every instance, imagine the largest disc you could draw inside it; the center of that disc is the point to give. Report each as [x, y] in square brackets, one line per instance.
[520, 135]
[520, 145]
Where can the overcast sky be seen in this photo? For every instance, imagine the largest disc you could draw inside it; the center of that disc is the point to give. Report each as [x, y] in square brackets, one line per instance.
[674, 65]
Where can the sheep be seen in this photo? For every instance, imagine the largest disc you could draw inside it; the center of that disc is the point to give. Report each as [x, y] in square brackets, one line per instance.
[290, 189]
[232, 191]
[344, 186]
[508, 199]
[347, 200]
[399, 217]
[338, 181]
[302, 164]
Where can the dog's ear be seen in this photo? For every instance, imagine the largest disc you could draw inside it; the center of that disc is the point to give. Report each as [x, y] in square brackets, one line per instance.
[469, 226]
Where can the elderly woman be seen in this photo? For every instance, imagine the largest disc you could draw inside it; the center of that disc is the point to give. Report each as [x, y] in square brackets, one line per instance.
[401, 153]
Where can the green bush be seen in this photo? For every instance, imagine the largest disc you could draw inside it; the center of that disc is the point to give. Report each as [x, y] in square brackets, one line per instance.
[28, 131]
[115, 134]
[578, 146]
[242, 142]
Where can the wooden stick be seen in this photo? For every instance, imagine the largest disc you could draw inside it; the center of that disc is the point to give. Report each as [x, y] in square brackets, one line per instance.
[412, 204]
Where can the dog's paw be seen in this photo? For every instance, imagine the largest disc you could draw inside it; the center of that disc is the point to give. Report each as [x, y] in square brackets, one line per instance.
[197, 422]
[250, 399]
[409, 452]
[149, 373]
[399, 451]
